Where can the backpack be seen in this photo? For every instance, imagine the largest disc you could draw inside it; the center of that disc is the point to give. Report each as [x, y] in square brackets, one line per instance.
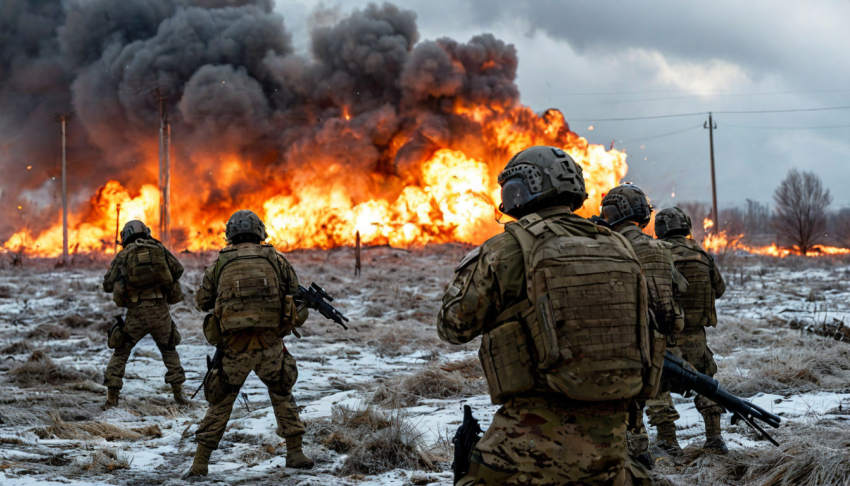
[695, 265]
[248, 288]
[586, 318]
[146, 266]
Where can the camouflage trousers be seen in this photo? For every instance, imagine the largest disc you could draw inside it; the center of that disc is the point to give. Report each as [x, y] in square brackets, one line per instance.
[147, 317]
[545, 441]
[275, 367]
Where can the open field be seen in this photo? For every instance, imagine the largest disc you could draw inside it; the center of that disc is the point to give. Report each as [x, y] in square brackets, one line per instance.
[381, 399]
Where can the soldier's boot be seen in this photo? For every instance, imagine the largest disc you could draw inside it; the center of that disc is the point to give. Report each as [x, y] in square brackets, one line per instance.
[713, 440]
[179, 397]
[200, 467]
[111, 398]
[666, 440]
[295, 457]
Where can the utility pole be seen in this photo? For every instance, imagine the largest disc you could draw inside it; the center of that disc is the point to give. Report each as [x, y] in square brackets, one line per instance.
[63, 119]
[357, 254]
[117, 224]
[164, 171]
[715, 216]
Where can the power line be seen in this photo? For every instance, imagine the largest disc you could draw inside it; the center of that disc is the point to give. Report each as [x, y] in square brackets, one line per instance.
[788, 128]
[659, 136]
[702, 113]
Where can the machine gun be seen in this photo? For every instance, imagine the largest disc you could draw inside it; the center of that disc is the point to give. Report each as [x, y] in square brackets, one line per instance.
[212, 364]
[316, 298]
[683, 376]
[464, 440]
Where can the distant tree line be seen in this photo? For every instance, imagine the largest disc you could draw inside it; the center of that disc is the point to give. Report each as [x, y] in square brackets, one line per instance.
[800, 216]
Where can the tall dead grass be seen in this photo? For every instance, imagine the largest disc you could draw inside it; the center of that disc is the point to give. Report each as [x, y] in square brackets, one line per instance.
[441, 380]
[59, 429]
[374, 441]
[39, 369]
[810, 455]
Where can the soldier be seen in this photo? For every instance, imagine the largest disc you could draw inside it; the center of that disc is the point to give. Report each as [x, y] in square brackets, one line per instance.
[626, 210]
[249, 289]
[705, 284]
[143, 277]
[561, 306]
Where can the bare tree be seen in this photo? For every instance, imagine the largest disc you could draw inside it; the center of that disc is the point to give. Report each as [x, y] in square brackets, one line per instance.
[839, 226]
[801, 203]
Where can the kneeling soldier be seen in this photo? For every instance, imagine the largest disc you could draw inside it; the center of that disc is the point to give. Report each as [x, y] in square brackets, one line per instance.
[250, 290]
[143, 277]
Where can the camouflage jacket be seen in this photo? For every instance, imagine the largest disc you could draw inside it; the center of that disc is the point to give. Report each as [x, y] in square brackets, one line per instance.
[118, 267]
[665, 283]
[705, 283]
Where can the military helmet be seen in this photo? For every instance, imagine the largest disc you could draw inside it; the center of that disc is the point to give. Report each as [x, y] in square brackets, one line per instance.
[538, 174]
[626, 202]
[672, 221]
[243, 222]
[134, 227]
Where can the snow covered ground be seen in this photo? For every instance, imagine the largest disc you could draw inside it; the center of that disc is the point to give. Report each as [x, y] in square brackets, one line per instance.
[53, 352]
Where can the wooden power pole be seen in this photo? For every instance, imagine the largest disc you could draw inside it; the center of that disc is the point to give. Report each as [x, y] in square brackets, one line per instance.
[357, 254]
[715, 216]
[164, 171]
[63, 119]
[117, 225]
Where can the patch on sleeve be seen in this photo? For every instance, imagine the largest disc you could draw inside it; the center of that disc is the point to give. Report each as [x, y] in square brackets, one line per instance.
[469, 258]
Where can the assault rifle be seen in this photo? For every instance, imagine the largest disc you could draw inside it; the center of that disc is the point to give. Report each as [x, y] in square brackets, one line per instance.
[316, 298]
[212, 364]
[465, 438]
[683, 376]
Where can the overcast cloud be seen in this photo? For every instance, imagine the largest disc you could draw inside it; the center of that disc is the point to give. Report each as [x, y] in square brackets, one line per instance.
[665, 57]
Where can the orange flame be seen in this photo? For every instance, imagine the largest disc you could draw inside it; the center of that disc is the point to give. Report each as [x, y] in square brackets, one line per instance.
[721, 243]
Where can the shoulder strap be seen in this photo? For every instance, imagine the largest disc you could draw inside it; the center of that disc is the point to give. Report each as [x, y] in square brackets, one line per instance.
[526, 231]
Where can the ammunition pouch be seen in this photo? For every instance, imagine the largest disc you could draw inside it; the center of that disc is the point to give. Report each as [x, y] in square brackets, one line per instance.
[216, 387]
[175, 337]
[505, 357]
[116, 336]
[288, 376]
[174, 293]
[652, 381]
[212, 330]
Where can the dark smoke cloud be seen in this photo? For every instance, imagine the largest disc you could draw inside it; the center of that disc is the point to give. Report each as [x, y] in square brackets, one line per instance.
[234, 87]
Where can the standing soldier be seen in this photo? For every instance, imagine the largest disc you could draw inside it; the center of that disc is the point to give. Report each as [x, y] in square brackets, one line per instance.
[249, 289]
[626, 210]
[144, 279]
[561, 305]
[705, 284]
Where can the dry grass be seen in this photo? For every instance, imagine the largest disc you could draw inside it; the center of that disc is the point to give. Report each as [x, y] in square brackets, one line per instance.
[810, 455]
[781, 360]
[49, 331]
[76, 321]
[39, 369]
[104, 460]
[375, 442]
[442, 380]
[20, 347]
[90, 430]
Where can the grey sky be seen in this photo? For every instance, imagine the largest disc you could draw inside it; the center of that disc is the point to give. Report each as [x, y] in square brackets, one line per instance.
[665, 57]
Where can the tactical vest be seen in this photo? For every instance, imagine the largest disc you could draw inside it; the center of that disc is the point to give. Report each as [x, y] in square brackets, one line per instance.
[695, 265]
[584, 330]
[146, 268]
[657, 262]
[248, 288]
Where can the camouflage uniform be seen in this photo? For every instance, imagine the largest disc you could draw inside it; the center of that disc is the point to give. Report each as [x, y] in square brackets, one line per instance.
[665, 283]
[147, 313]
[705, 285]
[259, 349]
[538, 437]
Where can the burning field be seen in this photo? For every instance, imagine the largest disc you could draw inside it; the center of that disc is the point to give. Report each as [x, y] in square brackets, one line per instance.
[376, 131]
